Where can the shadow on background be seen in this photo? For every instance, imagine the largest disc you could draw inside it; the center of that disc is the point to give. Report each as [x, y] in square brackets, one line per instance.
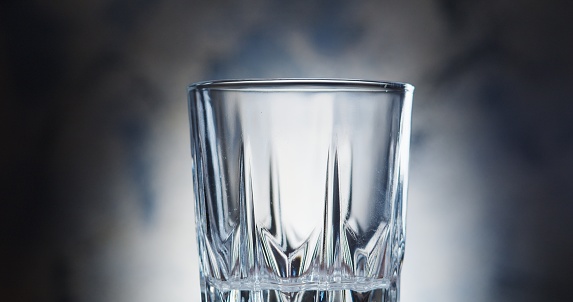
[96, 198]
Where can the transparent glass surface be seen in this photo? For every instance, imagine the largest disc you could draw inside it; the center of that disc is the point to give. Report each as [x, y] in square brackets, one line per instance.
[300, 188]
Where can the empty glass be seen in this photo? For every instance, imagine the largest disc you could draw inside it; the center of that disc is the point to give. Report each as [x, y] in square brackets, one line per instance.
[300, 188]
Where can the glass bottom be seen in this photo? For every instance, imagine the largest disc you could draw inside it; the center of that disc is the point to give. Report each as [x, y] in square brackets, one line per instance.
[346, 292]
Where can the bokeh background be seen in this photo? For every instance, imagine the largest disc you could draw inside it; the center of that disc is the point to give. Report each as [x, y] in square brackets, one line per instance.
[95, 175]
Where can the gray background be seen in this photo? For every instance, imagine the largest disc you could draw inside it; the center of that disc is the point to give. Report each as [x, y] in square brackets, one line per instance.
[96, 197]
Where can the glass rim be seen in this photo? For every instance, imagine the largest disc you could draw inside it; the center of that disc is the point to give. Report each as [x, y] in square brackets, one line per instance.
[302, 84]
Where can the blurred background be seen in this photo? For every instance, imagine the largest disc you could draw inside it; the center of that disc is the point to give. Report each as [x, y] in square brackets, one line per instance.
[95, 175]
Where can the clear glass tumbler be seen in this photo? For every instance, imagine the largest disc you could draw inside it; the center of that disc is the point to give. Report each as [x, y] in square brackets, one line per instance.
[300, 188]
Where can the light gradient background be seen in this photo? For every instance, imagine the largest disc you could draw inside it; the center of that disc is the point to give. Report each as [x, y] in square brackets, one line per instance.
[96, 199]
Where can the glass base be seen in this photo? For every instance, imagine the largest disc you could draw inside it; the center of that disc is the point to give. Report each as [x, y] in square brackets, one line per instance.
[351, 293]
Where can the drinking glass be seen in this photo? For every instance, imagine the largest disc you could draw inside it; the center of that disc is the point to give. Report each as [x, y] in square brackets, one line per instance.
[300, 188]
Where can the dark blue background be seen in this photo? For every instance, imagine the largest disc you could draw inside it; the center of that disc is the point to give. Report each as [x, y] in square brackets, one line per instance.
[95, 199]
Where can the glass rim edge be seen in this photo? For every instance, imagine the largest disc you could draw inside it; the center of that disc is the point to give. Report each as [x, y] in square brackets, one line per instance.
[262, 83]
